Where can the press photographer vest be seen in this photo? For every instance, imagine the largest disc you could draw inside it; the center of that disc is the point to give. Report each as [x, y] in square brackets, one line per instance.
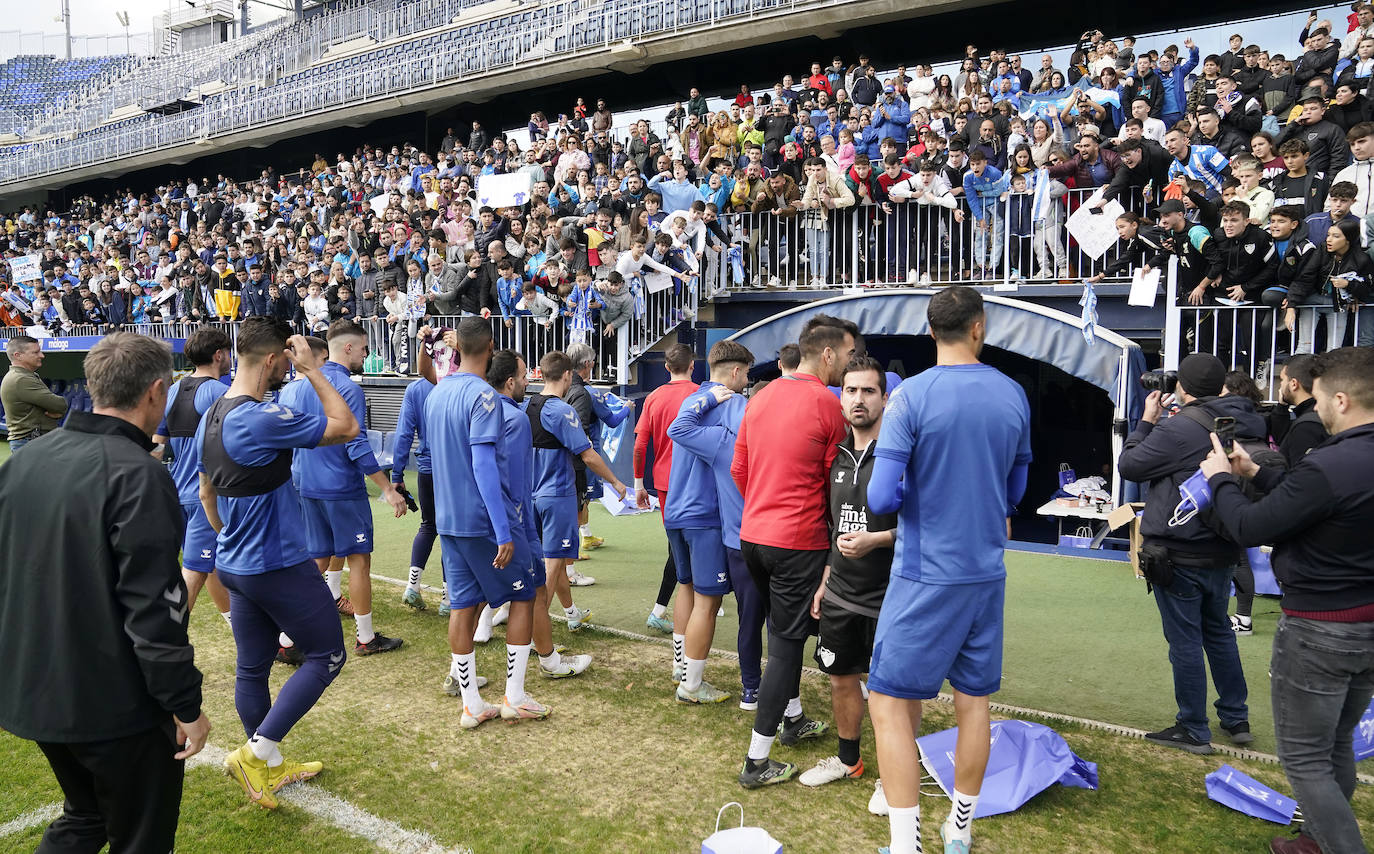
[183, 419]
[229, 478]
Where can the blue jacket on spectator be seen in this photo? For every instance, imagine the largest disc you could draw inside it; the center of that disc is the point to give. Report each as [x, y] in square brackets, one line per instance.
[982, 190]
[898, 116]
[1175, 84]
[677, 195]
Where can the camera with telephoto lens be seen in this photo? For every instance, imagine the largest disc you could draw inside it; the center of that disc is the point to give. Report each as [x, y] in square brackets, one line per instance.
[1161, 381]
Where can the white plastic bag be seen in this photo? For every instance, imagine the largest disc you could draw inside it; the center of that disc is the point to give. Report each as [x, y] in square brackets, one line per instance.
[740, 840]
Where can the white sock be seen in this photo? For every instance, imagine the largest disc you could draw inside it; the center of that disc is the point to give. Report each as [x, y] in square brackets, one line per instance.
[334, 578]
[517, 659]
[266, 749]
[284, 642]
[960, 822]
[696, 669]
[464, 669]
[760, 745]
[551, 660]
[905, 826]
[794, 708]
[484, 618]
[365, 633]
[659, 610]
[414, 582]
[679, 655]
[229, 620]
[585, 530]
[570, 612]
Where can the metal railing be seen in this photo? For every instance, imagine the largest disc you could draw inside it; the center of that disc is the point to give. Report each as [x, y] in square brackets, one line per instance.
[903, 243]
[1252, 338]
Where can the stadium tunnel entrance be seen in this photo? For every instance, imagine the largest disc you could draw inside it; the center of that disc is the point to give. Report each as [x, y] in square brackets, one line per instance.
[1084, 397]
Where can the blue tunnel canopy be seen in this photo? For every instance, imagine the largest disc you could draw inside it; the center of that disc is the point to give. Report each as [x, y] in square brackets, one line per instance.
[1017, 326]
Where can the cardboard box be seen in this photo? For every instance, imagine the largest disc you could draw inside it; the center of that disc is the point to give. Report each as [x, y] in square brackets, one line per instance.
[1129, 514]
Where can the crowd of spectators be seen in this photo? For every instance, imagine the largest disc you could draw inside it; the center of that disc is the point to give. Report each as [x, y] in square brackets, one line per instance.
[846, 173]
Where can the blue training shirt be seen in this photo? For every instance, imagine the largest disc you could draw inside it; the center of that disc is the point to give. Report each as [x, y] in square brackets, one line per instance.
[334, 471]
[262, 533]
[462, 411]
[709, 433]
[410, 427]
[553, 467]
[692, 501]
[518, 485]
[959, 430]
[185, 465]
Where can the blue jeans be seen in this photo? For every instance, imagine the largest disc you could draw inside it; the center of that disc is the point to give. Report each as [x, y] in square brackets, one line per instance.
[16, 444]
[1193, 610]
[1322, 677]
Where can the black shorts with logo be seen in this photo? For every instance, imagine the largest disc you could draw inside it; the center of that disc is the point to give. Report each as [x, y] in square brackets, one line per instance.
[845, 645]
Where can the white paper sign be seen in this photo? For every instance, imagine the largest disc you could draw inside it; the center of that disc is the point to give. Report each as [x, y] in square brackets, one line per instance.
[1144, 288]
[1095, 232]
[25, 268]
[503, 191]
[654, 281]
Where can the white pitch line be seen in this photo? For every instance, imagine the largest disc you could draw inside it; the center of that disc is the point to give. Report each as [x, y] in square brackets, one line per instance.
[385, 834]
[40, 817]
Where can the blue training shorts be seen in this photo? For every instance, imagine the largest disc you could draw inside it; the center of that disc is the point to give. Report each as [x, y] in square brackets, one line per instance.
[198, 546]
[699, 556]
[558, 525]
[337, 527]
[928, 633]
[472, 579]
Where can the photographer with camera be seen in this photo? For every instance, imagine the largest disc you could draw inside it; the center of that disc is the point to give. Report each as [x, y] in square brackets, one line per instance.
[1186, 558]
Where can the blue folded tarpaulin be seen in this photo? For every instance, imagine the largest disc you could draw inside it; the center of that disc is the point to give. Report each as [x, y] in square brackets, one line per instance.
[1025, 759]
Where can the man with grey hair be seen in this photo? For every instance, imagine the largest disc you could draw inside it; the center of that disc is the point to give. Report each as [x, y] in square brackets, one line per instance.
[120, 708]
[592, 412]
[30, 408]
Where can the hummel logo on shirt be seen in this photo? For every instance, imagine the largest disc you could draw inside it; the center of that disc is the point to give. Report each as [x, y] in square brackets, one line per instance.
[205, 554]
[517, 585]
[567, 544]
[361, 537]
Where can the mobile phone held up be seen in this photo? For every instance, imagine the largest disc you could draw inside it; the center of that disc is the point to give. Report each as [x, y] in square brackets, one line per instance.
[1225, 428]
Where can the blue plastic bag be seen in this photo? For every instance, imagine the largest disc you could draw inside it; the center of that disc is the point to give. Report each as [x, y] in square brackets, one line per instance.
[1265, 583]
[1242, 793]
[1364, 734]
[736, 265]
[1025, 759]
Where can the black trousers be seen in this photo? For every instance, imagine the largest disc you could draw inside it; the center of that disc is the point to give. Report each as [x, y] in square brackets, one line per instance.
[126, 791]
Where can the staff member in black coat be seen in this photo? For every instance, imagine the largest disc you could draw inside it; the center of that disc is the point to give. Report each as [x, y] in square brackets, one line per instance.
[1304, 430]
[110, 690]
[1318, 516]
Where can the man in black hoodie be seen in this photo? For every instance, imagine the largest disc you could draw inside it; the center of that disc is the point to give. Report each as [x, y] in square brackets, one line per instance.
[1318, 516]
[1189, 562]
[1305, 430]
[1328, 151]
[1145, 163]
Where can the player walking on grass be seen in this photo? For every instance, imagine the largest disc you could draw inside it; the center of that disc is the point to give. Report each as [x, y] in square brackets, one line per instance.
[210, 351]
[559, 442]
[851, 593]
[410, 429]
[951, 457]
[693, 522]
[334, 503]
[245, 488]
[483, 559]
[660, 407]
[789, 437]
[709, 431]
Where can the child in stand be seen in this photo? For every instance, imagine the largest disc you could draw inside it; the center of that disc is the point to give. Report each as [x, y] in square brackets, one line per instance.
[316, 309]
[1020, 228]
[580, 303]
[509, 286]
[845, 151]
[397, 308]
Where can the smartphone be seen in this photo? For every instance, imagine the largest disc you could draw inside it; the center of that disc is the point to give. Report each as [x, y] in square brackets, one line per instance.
[1225, 428]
